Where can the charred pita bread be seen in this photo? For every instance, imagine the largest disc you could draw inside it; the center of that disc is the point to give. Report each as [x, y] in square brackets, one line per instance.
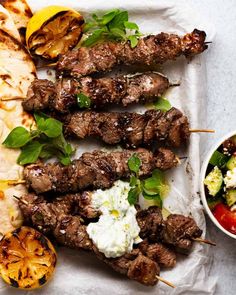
[17, 71]
[7, 24]
[20, 13]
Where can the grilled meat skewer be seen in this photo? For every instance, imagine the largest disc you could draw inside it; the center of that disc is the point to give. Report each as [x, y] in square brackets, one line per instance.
[130, 129]
[150, 50]
[94, 170]
[122, 90]
[140, 265]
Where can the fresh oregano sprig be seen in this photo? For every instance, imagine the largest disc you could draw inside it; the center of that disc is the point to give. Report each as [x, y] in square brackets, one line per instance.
[113, 25]
[152, 188]
[45, 142]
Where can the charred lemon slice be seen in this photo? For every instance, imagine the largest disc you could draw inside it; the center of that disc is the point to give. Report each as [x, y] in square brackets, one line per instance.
[54, 30]
[27, 258]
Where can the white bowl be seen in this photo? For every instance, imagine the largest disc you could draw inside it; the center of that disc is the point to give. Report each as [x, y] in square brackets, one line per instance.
[202, 177]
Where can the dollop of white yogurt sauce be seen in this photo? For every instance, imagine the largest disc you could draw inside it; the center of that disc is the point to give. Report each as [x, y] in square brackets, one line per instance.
[230, 178]
[117, 229]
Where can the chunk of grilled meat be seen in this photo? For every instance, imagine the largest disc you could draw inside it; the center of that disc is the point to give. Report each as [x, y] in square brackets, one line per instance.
[180, 231]
[132, 130]
[94, 170]
[55, 218]
[150, 50]
[123, 90]
[151, 223]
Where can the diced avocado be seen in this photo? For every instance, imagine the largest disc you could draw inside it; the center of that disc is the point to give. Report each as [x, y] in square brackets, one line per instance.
[230, 197]
[231, 164]
[214, 181]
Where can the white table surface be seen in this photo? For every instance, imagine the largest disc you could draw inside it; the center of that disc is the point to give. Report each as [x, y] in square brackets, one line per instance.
[221, 116]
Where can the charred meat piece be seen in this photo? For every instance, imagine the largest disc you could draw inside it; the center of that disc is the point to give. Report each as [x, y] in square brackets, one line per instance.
[130, 129]
[150, 50]
[94, 170]
[180, 232]
[122, 90]
[151, 223]
[159, 253]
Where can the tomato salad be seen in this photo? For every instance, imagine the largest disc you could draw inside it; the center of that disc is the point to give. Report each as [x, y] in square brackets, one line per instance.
[220, 184]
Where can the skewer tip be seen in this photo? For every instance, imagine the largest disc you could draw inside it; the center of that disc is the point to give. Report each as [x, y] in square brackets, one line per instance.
[11, 98]
[16, 182]
[202, 130]
[20, 200]
[165, 281]
[200, 240]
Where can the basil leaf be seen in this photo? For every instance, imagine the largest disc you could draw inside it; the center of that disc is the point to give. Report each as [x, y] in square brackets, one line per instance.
[133, 181]
[52, 128]
[88, 26]
[17, 138]
[218, 159]
[117, 33]
[162, 104]
[93, 38]
[118, 20]
[133, 195]
[68, 149]
[131, 26]
[47, 152]
[83, 101]
[156, 198]
[30, 153]
[133, 41]
[65, 160]
[107, 17]
[38, 116]
[134, 163]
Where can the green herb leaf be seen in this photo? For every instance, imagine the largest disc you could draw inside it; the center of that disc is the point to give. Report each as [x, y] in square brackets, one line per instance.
[133, 41]
[93, 38]
[65, 160]
[30, 153]
[117, 33]
[218, 159]
[83, 101]
[88, 26]
[17, 138]
[51, 127]
[118, 20]
[133, 181]
[107, 17]
[131, 26]
[156, 198]
[133, 195]
[134, 163]
[162, 104]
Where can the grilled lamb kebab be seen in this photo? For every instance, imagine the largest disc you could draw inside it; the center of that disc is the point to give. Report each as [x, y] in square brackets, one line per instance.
[53, 218]
[150, 50]
[94, 170]
[130, 129]
[123, 90]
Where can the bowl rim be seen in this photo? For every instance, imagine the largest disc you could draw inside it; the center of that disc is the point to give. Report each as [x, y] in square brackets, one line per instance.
[202, 177]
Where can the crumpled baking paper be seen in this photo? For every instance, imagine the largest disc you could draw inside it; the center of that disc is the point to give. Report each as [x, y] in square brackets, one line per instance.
[80, 272]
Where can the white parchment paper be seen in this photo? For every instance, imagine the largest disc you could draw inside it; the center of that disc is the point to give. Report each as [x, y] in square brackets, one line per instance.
[81, 273]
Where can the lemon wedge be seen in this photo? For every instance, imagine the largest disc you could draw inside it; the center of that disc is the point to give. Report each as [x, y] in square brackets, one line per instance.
[27, 258]
[54, 30]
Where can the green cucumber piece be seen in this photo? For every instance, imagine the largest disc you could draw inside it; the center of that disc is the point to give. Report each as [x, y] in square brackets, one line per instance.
[230, 197]
[231, 164]
[214, 181]
[218, 159]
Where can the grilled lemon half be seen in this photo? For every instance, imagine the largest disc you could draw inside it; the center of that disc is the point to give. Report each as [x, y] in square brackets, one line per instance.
[53, 31]
[27, 258]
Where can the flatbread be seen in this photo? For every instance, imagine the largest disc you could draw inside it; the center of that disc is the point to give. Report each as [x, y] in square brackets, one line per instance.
[20, 13]
[7, 24]
[17, 71]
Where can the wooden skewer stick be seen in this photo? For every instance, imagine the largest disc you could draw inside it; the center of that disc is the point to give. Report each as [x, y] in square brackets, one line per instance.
[20, 200]
[16, 182]
[165, 281]
[200, 240]
[52, 65]
[174, 84]
[202, 130]
[12, 98]
[208, 42]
